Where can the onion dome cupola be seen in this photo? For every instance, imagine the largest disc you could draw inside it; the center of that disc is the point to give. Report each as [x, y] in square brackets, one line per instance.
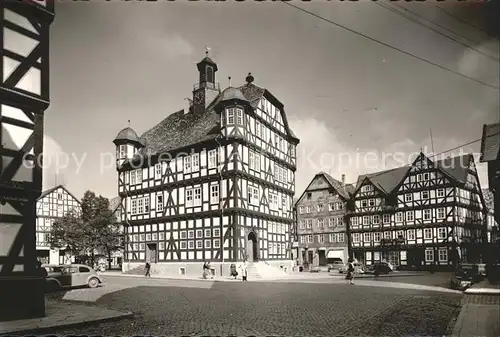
[232, 104]
[127, 144]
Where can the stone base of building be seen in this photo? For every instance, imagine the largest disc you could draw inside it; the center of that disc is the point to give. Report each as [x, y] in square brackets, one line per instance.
[322, 256]
[21, 298]
[194, 269]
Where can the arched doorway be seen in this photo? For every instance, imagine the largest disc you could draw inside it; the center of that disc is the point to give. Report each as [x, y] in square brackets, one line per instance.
[252, 247]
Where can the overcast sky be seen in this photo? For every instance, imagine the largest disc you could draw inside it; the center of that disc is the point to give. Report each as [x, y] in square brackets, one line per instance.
[111, 62]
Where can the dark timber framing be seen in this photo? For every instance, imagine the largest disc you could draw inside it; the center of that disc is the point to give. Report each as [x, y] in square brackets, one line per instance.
[431, 212]
[173, 198]
[21, 290]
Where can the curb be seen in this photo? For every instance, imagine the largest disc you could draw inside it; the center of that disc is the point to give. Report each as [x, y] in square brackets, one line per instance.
[40, 330]
[482, 291]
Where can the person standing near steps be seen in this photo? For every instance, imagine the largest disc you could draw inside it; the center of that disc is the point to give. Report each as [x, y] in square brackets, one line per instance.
[244, 271]
[148, 269]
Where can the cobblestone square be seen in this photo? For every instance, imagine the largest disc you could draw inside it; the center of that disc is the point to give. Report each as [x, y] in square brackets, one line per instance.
[190, 308]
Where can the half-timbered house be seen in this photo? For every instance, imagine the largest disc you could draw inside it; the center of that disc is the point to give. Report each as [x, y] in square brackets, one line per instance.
[52, 205]
[430, 212]
[490, 153]
[321, 221]
[212, 182]
[492, 224]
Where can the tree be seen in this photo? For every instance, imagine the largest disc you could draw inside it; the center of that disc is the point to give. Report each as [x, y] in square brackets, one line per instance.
[92, 231]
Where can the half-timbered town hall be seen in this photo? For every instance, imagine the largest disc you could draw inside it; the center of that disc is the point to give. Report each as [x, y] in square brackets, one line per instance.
[212, 182]
[430, 212]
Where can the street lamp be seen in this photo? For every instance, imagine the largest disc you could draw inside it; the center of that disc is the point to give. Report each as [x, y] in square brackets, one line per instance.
[24, 96]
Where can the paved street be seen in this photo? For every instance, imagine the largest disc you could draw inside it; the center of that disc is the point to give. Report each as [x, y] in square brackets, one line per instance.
[181, 307]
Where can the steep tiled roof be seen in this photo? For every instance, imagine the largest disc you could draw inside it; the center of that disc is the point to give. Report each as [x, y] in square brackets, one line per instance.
[50, 190]
[489, 199]
[180, 130]
[490, 143]
[254, 93]
[386, 180]
[457, 167]
[337, 185]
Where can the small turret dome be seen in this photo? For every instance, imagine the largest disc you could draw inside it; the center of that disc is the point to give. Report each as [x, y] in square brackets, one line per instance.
[127, 134]
[232, 93]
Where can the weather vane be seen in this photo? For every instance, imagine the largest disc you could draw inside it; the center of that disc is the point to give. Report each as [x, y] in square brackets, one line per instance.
[207, 49]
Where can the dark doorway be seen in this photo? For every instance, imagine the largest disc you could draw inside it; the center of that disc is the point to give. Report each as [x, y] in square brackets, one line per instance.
[151, 252]
[310, 257]
[252, 247]
[322, 258]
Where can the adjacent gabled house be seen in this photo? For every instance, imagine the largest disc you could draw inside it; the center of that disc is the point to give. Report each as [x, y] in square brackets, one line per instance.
[322, 221]
[492, 224]
[431, 212]
[490, 153]
[52, 205]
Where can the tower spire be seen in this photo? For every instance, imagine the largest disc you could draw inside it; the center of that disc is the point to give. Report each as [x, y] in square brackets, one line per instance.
[128, 123]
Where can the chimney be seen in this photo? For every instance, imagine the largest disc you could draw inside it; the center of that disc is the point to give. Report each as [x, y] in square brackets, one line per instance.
[188, 104]
[343, 180]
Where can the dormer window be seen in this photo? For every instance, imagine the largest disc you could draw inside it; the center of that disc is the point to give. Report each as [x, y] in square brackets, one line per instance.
[233, 113]
[367, 188]
[123, 151]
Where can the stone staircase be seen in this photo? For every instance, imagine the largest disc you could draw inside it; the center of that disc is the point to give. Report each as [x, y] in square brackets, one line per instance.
[263, 271]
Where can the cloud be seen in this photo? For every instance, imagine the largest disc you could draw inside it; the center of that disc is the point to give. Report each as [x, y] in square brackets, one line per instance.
[320, 150]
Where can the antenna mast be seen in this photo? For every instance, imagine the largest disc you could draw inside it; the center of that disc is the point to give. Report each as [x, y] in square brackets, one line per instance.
[432, 142]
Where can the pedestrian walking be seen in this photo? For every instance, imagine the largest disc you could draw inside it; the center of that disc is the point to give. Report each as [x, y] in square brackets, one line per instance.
[234, 272]
[244, 271]
[148, 269]
[350, 271]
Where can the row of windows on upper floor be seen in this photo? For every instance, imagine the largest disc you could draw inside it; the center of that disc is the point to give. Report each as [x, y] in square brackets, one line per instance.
[440, 213]
[59, 211]
[333, 206]
[191, 164]
[193, 198]
[410, 234]
[422, 195]
[320, 223]
[408, 197]
[320, 238]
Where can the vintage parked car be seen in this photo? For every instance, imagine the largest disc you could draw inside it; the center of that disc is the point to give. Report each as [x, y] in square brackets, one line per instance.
[465, 275]
[335, 264]
[381, 268]
[72, 275]
[358, 268]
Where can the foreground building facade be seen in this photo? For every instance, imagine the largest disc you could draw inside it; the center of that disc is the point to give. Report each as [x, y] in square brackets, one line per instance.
[322, 221]
[431, 212]
[52, 205]
[213, 182]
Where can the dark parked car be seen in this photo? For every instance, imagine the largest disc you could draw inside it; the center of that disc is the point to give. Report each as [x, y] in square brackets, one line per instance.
[381, 268]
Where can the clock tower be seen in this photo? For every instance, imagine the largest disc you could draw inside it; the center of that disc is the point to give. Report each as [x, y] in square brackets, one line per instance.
[207, 89]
